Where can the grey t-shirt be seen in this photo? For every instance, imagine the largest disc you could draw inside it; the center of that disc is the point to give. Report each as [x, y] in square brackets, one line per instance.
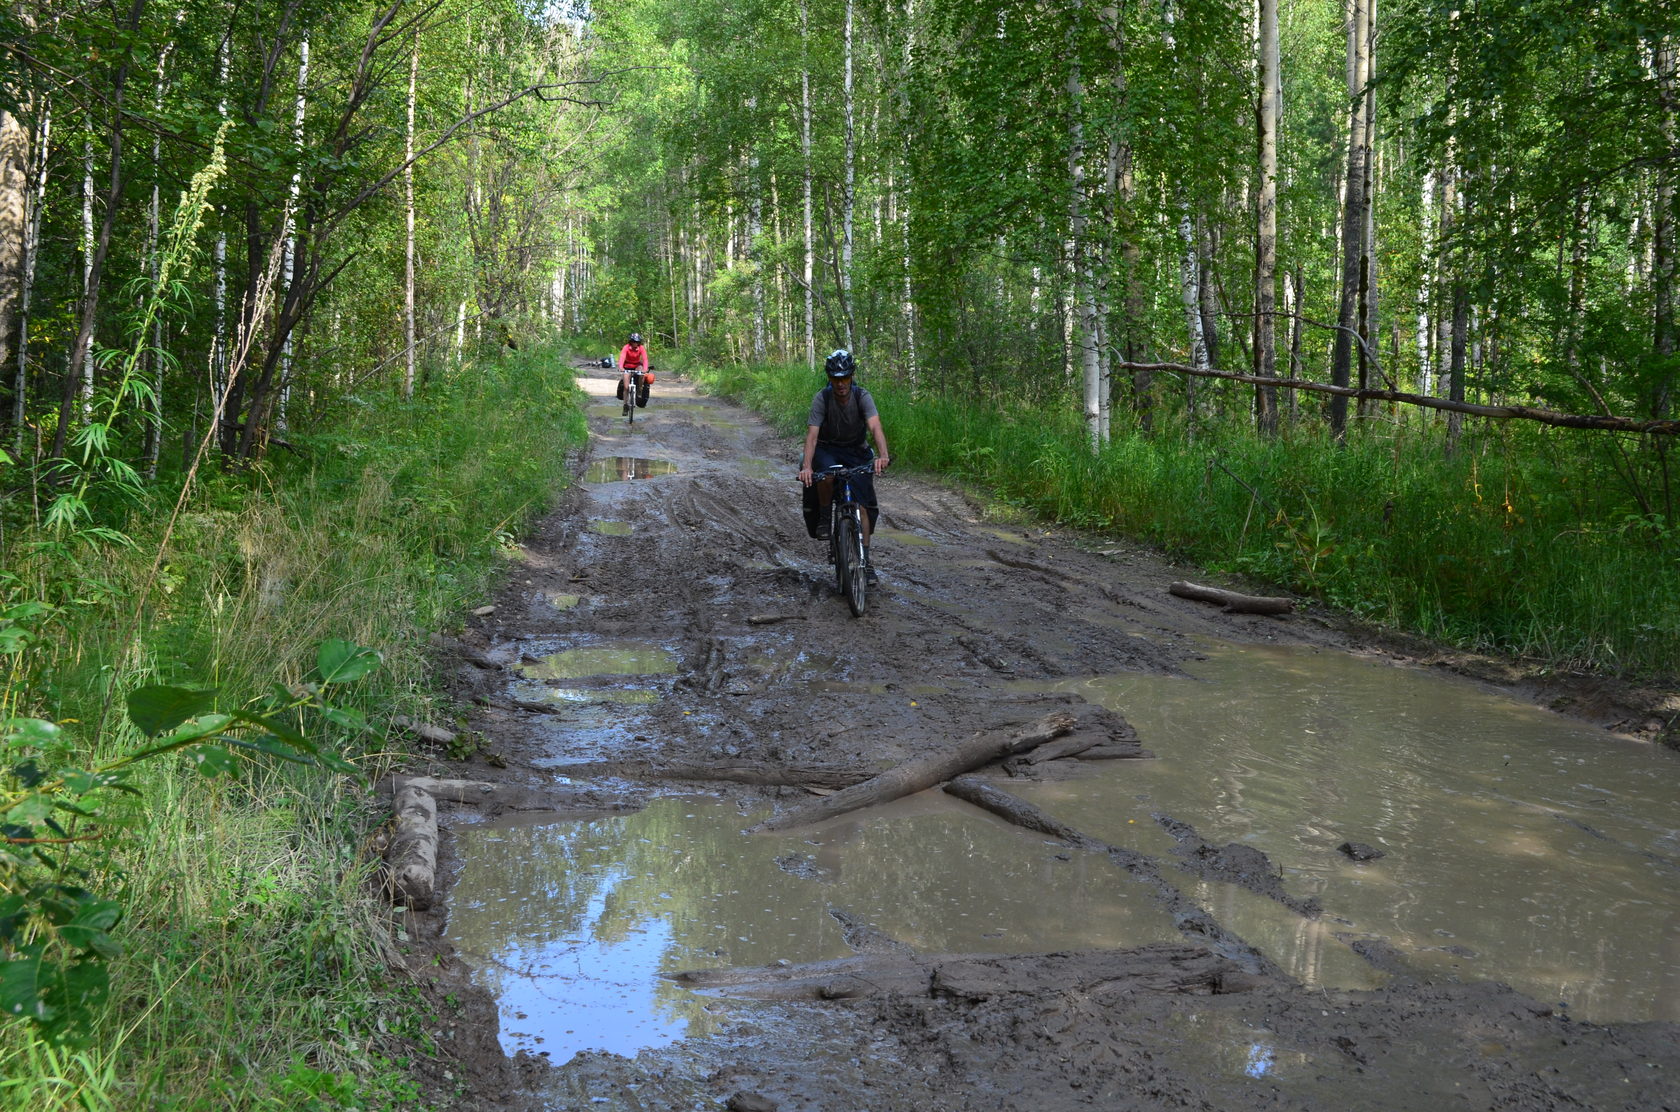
[841, 424]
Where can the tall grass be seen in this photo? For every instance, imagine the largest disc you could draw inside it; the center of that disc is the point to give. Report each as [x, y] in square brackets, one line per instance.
[1521, 542]
[259, 966]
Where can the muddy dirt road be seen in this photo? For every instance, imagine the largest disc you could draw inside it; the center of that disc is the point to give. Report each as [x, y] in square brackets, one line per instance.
[671, 650]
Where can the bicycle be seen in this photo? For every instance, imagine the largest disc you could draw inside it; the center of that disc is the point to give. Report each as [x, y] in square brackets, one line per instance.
[845, 534]
[633, 393]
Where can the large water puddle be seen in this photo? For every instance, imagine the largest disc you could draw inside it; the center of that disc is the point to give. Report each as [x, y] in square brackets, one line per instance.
[1519, 846]
[616, 469]
[571, 924]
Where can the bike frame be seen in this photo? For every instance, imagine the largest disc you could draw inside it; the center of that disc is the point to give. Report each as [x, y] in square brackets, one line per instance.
[845, 536]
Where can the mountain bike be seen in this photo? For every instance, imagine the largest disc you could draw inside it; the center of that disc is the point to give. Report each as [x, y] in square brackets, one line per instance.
[633, 395]
[845, 535]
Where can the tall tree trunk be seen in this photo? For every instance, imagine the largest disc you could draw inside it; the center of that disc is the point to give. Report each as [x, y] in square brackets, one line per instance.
[1265, 255]
[1353, 218]
[408, 214]
[36, 204]
[849, 200]
[15, 160]
[1426, 258]
[1368, 333]
[805, 146]
[1079, 248]
[293, 197]
[1190, 272]
[1664, 218]
[154, 262]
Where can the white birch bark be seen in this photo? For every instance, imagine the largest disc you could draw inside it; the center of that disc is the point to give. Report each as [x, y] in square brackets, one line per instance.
[154, 216]
[408, 213]
[849, 199]
[755, 232]
[1079, 249]
[805, 147]
[87, 260]
[289, 262]
[20, 235]
[15, 160]
[218, 281]
[1265, 292]
[1426, 370]
[908, 303]
[1353, 217]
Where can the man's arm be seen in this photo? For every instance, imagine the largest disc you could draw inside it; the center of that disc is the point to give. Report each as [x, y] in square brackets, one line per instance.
[880, 436]
[810, 450]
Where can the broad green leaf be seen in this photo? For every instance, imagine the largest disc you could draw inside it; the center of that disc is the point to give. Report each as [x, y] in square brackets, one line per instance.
[211, 760]
[341, 661]
[21, 989]
[348, 718]
[160, 707]
[36, 732]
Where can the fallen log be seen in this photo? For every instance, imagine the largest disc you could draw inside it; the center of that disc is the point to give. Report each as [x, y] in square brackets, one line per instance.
[924, 772]
[411, 863]
[815, 776]
[1233, 602]
[425, 731]
[1163, 967]
[1016, 810]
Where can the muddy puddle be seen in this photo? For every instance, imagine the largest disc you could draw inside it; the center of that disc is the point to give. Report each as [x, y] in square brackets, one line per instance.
[572, 924]
[616, 469]
[1518, 846]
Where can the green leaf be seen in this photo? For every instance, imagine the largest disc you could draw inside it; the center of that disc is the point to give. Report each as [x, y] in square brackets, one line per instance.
[36, 732]
[211, 760]
[87, 932]
[159, 707]
[348, 718]
[341, 661]
[21, 991]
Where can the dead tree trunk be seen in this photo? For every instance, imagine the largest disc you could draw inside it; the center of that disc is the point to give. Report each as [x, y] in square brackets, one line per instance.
[924, 772]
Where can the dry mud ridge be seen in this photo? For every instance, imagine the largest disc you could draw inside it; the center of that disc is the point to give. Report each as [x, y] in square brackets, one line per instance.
[777, 689]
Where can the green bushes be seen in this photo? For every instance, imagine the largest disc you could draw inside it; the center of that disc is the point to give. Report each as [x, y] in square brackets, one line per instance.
[255, 959]
[1523, 541]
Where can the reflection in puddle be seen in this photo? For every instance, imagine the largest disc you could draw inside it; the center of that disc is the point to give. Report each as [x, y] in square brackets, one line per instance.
[570, 924]
[614, 469]
[610, 528]
[625, 659]
[561, 600]
[1520, 846]
[915, 540]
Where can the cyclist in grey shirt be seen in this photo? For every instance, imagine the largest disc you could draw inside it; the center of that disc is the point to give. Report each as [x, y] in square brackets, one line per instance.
[842, 416]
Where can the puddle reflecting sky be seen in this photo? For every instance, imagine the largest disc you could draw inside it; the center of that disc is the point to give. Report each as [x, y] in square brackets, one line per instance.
[1521, 846]
[570, 923]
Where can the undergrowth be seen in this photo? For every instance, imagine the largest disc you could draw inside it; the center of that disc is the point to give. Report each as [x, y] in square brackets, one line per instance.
[1523, 541]
[257, 965]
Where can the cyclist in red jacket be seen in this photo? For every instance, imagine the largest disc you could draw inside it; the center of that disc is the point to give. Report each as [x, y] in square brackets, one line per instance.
[632, 358]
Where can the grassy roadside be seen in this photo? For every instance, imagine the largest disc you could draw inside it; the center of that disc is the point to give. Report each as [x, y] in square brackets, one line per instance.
[257, 966]
[1523, 542]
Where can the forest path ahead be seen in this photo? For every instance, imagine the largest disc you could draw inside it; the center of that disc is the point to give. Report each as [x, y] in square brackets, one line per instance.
[673, 614]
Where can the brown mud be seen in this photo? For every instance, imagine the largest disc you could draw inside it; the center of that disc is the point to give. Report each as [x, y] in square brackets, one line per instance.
[702, 582]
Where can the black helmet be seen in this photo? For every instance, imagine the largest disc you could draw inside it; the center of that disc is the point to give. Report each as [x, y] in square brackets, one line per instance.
[841, 364]
[635, 337]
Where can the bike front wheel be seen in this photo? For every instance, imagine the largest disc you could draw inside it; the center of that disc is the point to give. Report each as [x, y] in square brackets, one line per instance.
[855, 584]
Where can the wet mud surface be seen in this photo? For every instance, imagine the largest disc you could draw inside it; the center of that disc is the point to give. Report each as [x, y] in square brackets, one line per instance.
[670, 632]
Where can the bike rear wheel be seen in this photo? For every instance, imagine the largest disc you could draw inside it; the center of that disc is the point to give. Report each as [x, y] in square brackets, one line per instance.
[855, 582]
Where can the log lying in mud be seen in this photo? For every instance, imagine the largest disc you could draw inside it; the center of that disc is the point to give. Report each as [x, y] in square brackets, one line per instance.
[1016, 810]
[925, 772]
[825, 776]
[513, 797]
[1162, 967]
[411, 862]
[1233, 602]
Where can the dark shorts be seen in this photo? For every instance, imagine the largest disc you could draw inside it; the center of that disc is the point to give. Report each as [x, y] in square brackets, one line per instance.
[827, 455]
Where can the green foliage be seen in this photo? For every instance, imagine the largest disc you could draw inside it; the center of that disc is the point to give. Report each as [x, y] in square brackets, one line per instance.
[202, 903]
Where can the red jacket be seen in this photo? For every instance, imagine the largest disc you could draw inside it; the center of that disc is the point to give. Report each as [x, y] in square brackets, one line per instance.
[632, 357]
